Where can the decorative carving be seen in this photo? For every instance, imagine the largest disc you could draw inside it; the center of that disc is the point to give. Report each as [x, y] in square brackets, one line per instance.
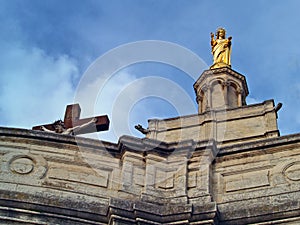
[226, 83]
[164, 179]
[205, 88]
[139, 176]
[200, 98]
[192, 179]
[246, 180]
[141, 129]
[292, 171]
[22, 165]
[75, 176]
[239, 91]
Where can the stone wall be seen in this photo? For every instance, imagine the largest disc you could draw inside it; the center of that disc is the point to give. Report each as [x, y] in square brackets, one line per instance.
[56, 179]
[238, 125]
[259, 181]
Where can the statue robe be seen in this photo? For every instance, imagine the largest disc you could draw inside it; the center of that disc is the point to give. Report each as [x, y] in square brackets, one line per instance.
[221, 51]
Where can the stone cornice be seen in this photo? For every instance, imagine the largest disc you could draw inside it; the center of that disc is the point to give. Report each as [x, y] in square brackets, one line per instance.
[226, 70]
[148, 213]
[259, 145]
[127, 143]
[57, 138]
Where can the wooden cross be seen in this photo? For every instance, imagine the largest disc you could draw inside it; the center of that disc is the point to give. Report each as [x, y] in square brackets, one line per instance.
[72, 119]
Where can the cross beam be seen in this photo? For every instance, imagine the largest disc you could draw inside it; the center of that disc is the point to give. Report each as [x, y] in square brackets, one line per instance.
[72, 119]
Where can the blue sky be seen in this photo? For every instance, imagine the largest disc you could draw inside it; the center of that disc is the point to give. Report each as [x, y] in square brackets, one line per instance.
[46, 47]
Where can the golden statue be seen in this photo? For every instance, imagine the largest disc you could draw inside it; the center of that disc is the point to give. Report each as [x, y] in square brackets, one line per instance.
[221, 49]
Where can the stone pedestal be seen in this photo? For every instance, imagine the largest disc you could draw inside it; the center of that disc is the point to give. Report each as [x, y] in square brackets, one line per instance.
[220, 88]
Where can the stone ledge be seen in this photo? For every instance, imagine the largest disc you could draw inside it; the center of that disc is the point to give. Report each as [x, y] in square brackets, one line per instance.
[149, 213]
[259, 145]
[257, 121]
[266, 208]
[40, 212]
[227, 70]
[56, 138]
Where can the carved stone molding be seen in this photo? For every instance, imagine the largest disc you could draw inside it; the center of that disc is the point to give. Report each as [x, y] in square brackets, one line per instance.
[292, 171]
[225, 77]
[138, 212]
[23, 167]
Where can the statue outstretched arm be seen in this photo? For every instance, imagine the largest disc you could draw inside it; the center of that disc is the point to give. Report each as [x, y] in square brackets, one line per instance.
[93, 121]
[229, 40]
[47, 130]
[213, 41]
[77, 128]
[228, 43]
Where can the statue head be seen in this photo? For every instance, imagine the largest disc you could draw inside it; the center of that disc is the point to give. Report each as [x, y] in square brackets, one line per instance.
[221, 32]
[59, 126]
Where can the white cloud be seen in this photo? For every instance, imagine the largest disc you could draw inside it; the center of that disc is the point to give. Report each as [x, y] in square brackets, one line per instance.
[104, 104]
[125, 98]
[252, 100]
[35, 87]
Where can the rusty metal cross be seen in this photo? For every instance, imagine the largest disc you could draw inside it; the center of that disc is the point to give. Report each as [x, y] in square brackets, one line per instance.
[72, 119]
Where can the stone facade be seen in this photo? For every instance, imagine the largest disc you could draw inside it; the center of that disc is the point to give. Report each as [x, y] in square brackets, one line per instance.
[225, 165]
[226, 126]
[223, 113]
[56, 179]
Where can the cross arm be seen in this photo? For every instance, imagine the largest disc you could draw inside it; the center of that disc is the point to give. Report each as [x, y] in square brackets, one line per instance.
[101, 124]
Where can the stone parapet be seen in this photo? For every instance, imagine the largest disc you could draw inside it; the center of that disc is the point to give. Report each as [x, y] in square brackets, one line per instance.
[58, 179]
[238, 125]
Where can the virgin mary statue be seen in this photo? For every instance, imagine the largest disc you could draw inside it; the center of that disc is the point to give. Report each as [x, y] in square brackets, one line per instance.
[221, 49]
